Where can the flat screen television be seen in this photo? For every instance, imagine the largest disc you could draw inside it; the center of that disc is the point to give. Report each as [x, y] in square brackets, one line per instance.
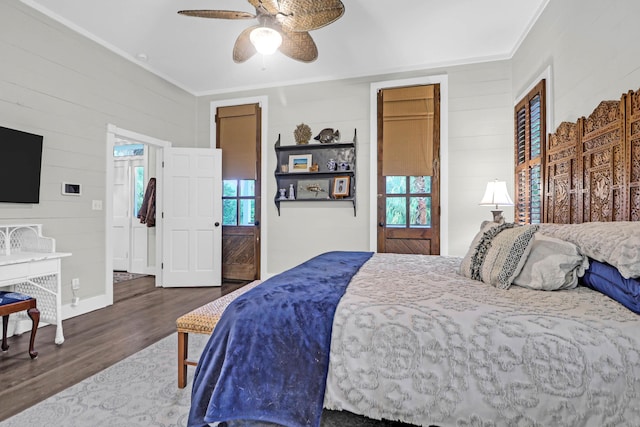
[20, 164]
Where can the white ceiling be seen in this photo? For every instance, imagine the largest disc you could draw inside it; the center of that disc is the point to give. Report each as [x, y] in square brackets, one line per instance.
[372, 37]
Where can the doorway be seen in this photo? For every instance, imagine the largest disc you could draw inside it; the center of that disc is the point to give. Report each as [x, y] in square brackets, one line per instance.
[238, 136]
[408, 174]
[132, 238]
[260, 238]
[443, 210]
[154, 150]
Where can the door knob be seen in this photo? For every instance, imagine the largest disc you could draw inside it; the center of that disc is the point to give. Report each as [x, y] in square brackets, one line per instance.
[381, 224]
[217, 224]
[257, 223]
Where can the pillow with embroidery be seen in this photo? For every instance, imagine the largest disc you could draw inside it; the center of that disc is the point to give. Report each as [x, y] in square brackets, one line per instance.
[465, 265]
[497, 257]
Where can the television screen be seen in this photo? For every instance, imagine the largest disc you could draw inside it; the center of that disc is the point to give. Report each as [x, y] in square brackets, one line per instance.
[20, 162]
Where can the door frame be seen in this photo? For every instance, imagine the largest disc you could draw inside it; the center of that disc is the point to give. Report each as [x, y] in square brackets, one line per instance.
[443, 81]
[263, 102]
[114, 132]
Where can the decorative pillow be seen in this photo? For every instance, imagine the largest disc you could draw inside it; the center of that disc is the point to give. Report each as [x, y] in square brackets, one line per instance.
[608, 280]
[465, 265]
[616, 243]
[499, 254]
[552, 264]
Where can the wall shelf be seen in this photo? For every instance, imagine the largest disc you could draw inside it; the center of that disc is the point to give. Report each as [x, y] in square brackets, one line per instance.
[323, 179]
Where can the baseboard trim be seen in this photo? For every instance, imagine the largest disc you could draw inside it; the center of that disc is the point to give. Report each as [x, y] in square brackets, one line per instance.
[18, 326]
[85, 306]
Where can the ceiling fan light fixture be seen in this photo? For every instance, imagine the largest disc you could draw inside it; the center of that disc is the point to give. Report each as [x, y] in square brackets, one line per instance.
[266, 40]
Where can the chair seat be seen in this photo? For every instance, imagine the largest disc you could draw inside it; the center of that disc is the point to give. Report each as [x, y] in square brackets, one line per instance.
[8, 297]
[14, 302]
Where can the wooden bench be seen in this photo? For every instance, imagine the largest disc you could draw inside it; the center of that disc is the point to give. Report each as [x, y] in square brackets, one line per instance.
[202, 320]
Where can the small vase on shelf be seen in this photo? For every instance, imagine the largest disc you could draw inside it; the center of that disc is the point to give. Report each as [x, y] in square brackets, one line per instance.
[292, 196]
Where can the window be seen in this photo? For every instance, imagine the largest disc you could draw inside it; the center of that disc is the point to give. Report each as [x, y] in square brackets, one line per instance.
[127, 150]
[138, 188]
[409, 209]
[238, 202]
[529, 141]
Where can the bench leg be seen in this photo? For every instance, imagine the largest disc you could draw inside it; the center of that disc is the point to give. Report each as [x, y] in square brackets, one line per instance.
[34, 314]
[5, 325]
[183, 348]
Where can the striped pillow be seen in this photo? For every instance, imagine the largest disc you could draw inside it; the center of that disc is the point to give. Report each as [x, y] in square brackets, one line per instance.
[498, 253]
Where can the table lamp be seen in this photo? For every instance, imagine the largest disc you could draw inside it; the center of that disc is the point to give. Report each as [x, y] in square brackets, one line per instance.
[496, 194]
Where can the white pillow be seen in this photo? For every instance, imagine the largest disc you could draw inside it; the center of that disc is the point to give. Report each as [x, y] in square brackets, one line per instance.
[552, 264]
[616, 243]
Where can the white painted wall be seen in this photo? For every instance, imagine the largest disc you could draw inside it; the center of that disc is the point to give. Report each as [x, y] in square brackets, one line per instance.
[55, 83]
[592, 50]
[480, 141]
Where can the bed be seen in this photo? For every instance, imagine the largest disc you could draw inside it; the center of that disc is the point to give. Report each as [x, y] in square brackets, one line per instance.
[536, 325]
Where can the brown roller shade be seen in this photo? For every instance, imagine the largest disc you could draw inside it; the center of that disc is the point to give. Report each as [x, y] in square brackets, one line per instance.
[407, 131]
[237, 131]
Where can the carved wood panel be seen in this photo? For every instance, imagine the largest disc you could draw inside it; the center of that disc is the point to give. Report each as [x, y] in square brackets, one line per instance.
[562, 175]
[592, 167]
[603, 163]
[633, 154]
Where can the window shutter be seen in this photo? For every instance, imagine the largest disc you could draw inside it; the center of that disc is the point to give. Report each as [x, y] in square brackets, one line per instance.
[529, 138]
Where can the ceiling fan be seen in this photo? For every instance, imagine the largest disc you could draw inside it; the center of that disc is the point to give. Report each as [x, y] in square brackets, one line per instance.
[291, 19]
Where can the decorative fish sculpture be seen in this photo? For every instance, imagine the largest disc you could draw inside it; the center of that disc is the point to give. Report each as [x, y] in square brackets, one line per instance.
[315, 188]
[328, 135]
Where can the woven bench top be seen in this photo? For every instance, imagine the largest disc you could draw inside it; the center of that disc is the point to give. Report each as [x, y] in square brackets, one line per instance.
[203, 319]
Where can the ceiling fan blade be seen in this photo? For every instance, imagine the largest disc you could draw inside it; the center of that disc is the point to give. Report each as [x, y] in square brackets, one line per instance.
[270, 7]
[299, 46]
[218, 14]
[308, 15]
[244, 49]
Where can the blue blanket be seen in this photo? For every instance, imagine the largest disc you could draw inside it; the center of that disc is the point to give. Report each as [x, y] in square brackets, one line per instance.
[268, 356]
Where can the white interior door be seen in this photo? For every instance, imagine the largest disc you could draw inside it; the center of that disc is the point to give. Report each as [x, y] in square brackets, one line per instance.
[121, 217]
[192, 214]
[130, 248]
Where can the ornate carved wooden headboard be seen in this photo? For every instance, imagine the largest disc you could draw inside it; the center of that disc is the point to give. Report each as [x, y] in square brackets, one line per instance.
[592, 167]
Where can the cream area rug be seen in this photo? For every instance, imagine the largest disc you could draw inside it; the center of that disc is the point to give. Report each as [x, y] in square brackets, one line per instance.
[141, 391]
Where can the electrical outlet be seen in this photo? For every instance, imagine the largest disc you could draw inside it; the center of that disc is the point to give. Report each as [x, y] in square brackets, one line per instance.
[75, 301]
[75, 284]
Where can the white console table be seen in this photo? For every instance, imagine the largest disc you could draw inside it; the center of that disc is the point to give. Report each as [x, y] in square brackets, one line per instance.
[29, 263]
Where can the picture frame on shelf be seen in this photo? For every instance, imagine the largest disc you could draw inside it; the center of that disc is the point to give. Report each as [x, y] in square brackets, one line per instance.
[299, 163]
[341, 186]
[313, 189]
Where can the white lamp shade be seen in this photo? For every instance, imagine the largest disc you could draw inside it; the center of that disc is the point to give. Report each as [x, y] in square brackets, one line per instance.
[496, 194]
[266, 40]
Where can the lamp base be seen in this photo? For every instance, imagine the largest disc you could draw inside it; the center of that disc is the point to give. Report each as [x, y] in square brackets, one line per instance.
[497, 217]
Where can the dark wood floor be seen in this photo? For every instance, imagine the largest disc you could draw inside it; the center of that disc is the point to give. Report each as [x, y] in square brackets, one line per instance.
[141, 315]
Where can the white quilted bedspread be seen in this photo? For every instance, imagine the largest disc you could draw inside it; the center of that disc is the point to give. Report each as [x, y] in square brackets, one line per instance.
[416, 342]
